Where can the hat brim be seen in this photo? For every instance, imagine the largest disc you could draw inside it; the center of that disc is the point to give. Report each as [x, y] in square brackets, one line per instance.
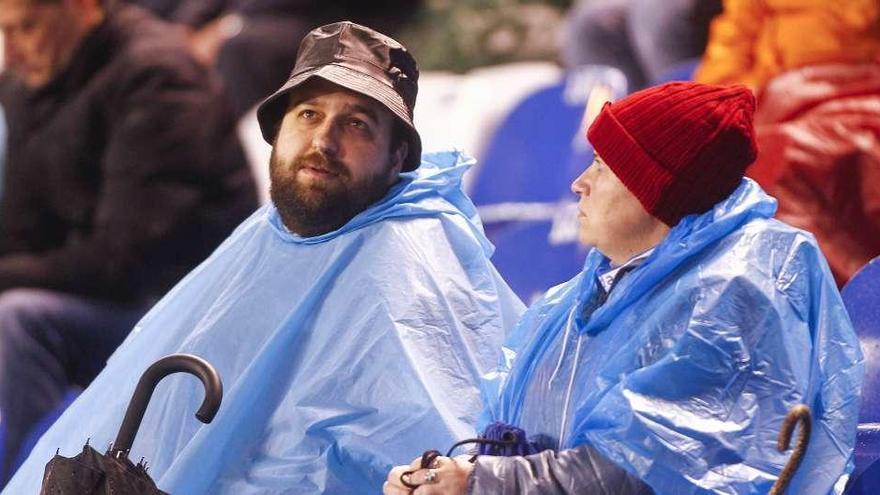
[272, 110]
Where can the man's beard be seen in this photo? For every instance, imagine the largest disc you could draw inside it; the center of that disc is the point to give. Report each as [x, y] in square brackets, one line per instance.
[317, 208]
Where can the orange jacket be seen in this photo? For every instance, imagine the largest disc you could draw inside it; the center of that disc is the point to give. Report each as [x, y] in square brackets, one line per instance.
[754, 40]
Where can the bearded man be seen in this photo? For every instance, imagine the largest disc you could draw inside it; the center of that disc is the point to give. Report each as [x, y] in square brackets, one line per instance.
[349, 319]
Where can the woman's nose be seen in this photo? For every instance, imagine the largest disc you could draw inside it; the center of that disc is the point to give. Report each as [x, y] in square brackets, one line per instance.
[580, 185]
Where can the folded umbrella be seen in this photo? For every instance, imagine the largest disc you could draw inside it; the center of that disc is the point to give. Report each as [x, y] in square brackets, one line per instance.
[91, 472]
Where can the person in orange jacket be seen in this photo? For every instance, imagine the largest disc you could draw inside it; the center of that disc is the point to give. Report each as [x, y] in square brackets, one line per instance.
[814, 65]
[754, 40]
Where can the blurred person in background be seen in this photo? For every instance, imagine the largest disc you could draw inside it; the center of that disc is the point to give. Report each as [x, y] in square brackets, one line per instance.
[2, 150]
[753, 41]
[643, 38]
[814, 64]
[669, 363]
[250, 42]
[3, 125]
[123, 172]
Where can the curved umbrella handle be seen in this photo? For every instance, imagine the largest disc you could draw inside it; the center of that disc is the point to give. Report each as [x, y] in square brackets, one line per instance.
[174, 363]
[799, 413]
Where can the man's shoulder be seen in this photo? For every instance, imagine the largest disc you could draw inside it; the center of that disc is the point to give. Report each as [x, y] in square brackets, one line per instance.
[425, 236]
[408, 228]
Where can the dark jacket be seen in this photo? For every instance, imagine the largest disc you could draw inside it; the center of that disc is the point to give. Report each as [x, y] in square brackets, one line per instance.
[568, 472]
[124, 171]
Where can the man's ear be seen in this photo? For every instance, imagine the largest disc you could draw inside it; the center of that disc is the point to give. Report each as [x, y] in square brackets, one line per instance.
[398, 157]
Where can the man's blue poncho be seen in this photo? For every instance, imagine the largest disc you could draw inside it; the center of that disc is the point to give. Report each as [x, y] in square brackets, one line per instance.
[341, 355]
[684, 375]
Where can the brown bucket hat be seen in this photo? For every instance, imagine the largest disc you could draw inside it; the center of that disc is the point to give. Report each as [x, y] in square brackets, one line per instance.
[362, 60]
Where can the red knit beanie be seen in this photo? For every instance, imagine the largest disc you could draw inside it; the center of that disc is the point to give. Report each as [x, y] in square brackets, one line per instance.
[680, 147]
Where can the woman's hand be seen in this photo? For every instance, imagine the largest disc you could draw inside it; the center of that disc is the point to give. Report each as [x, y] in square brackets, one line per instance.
[446, 476]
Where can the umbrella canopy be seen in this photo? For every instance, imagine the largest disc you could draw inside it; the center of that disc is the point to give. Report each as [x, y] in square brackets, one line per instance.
[113, 473]
[93, 473]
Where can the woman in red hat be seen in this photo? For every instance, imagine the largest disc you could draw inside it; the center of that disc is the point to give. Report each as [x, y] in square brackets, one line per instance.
[669, 363]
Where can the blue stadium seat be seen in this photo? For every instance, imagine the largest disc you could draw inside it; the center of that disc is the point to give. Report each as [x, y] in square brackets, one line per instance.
[861, 296]
[522, 186]
[865, 479]
[683, 71]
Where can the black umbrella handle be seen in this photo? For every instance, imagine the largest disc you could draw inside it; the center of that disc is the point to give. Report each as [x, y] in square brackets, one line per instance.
[174, 363]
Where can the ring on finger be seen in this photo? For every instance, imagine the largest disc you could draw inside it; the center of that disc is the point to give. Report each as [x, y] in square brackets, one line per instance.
[431, 476]
[406, 480]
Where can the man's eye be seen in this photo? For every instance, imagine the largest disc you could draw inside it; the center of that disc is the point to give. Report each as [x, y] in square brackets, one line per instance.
[308, 114]
[358, 124]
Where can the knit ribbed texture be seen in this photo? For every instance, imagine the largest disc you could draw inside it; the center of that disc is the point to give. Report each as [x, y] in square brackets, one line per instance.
[680, 147]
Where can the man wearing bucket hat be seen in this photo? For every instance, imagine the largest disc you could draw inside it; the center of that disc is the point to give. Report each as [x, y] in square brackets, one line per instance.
[341, 127]
[668, 364]
[350, 319]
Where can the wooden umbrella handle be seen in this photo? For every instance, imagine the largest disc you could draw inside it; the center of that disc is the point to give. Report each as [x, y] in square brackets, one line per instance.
[798, 414]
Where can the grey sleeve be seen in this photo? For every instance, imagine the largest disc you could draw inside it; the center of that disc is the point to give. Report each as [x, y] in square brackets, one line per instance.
[581, 470]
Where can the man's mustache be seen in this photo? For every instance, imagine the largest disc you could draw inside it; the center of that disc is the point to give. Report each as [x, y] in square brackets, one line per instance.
[321, 162]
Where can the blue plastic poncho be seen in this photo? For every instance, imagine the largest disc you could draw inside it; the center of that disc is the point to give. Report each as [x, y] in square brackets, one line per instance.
[341, 355]
[684, 375]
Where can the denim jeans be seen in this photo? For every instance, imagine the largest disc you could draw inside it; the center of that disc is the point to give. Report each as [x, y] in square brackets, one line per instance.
[49, 342]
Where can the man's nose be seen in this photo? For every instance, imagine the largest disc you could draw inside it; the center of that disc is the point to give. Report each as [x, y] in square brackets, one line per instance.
[326, 138]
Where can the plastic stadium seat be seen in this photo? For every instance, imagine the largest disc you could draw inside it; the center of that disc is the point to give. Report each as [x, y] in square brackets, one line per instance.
[861, 295]
[865, 479]
[522, 187]
[257, 152]
[680, 72]
[463, 110]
